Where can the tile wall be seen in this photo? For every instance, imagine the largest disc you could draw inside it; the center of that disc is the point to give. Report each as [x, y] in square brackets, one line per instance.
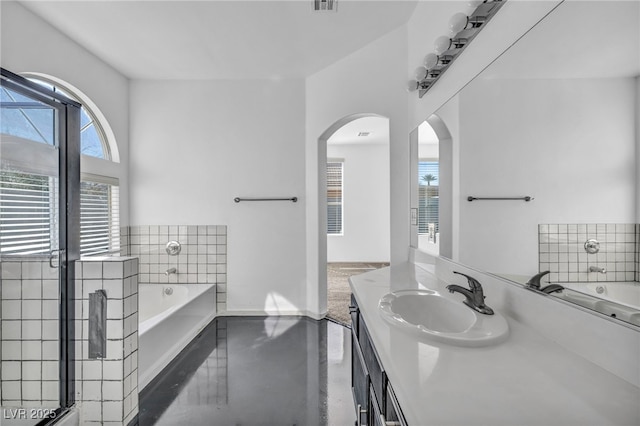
[107, 388]
[30, 333]
[202, 259]
[561, 251]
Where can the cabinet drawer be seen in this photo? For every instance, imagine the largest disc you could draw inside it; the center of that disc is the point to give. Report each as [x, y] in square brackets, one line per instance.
[392, 411]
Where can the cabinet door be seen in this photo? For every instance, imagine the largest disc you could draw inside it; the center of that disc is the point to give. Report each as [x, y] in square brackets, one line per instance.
[354, 312]
[374, 408]
[374, 367]
[359, 383]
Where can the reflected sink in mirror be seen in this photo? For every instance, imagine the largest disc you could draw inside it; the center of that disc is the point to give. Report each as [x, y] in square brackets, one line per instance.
[432, 316]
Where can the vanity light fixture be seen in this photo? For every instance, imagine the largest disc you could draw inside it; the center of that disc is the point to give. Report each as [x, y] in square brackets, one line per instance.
[463, 28]
[325, 5]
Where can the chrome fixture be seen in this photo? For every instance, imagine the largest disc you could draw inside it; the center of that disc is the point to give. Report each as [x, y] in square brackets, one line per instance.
[168, 291]
[525, 198]
[173, 248]
[474, 294]
[592, 246]
[292, 199]
[534, 284]
[597, 269]
[463, 27]
[170, 271]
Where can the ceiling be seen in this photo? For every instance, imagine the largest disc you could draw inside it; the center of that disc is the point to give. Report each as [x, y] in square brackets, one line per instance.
[211, 39]
[376, 127]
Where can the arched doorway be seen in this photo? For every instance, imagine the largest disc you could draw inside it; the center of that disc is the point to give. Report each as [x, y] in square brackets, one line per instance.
[353, 205]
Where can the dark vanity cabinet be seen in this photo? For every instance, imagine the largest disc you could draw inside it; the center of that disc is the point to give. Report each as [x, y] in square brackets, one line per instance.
[375, 401]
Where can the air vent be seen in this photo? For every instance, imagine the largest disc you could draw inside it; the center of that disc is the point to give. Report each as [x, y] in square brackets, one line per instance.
[364, 133]
[325, 5]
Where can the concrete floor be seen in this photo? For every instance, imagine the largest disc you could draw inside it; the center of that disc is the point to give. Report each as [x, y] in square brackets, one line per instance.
[256, 371]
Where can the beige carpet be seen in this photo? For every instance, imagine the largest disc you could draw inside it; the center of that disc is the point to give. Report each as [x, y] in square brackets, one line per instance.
[338, 290]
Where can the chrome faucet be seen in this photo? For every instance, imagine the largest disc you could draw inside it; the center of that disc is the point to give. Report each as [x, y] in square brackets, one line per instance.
[170, 271]
[474, 294]
[597, 269]
[534, 284]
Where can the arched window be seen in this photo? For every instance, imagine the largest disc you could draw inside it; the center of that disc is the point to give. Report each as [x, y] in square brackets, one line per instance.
[99, 186]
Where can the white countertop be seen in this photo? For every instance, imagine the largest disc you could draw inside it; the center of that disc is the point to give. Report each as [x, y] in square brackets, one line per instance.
[527, 380]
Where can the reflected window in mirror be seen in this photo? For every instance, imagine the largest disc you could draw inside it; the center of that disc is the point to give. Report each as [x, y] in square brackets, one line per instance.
[428, 189]
[334, 197]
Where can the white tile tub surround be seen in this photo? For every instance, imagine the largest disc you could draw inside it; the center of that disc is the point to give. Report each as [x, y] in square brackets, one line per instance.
[29, 332]
[561, 251]
[203, 258]
[107, 388]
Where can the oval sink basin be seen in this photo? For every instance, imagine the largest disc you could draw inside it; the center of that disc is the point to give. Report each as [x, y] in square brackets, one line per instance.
[428, 314]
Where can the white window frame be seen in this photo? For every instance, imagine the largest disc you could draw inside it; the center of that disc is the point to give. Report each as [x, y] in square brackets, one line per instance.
[341, 233]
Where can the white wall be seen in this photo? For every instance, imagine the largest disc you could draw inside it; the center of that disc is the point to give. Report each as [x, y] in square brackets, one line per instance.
[196, 145]
[29, 44]
[366, 232]
[371, 80]
[637, 82]
[546, 148]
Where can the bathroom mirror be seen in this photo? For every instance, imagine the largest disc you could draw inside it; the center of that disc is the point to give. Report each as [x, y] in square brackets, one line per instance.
[555, 118]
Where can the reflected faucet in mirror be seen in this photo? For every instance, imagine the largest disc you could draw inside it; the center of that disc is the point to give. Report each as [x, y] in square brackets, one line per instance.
[534, 284]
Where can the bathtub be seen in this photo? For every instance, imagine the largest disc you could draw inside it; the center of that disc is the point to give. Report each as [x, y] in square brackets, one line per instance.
[170, 316]
[616, 299]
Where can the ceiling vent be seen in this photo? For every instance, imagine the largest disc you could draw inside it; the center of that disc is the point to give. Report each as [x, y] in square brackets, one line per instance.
[325, 5]
[364, 133]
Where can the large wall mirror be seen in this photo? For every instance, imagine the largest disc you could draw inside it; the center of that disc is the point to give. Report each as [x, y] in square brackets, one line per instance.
[555, 118]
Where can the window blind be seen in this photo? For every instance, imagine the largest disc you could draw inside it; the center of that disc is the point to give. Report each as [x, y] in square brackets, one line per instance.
[99, 218]
[27, 209]
[334, 197]
[428, 195]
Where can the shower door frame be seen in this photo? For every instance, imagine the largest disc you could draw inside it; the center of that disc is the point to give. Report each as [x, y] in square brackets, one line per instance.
[68, 128]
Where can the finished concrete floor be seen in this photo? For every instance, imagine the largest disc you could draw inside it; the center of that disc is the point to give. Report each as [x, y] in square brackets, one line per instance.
[256, 371]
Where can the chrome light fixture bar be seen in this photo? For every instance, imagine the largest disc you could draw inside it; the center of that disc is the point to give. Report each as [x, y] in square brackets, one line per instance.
[325, 5]
[462, 29]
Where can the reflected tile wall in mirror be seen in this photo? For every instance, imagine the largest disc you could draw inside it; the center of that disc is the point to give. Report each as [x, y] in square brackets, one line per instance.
[561, 251]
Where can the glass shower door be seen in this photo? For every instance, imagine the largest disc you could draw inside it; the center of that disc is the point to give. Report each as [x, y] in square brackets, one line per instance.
[35, 356]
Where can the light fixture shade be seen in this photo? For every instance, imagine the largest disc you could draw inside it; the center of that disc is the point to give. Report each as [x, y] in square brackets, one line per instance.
[457, 23]
[431, 61]
[442, 44]
[412, 86]
[420, 73]
[472, 5]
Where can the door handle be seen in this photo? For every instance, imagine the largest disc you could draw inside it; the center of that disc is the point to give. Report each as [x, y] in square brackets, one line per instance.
[57, 258]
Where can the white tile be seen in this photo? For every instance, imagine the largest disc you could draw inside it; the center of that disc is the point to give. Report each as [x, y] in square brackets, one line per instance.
[11, 350]
[92, 390]
[92, 370]
[115, 309]
[50, 370]
[113, 269]
[31, 350]
[50, 390]
[115, 349]
[50, 349]
[114, 288]
[50, 330]
[31, 330]
[11, 270]
[115, 329]
[50, 310]
[31, 270]
[92, 411]
[32, 370]
[11, 390]
[112, 391]
[11, 309]
[11, 289]
[113, 370]
[31, 390]
[11, 370]
[31, 309]
[112, 411]
[50, 289]
[11, 329]
[32, 289]
[92, 270]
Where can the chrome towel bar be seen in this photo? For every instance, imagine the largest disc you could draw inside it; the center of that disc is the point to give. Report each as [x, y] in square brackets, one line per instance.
[527, 198]
[292, 199]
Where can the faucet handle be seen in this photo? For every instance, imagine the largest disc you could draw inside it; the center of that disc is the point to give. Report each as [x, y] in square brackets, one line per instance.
[474, 284]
